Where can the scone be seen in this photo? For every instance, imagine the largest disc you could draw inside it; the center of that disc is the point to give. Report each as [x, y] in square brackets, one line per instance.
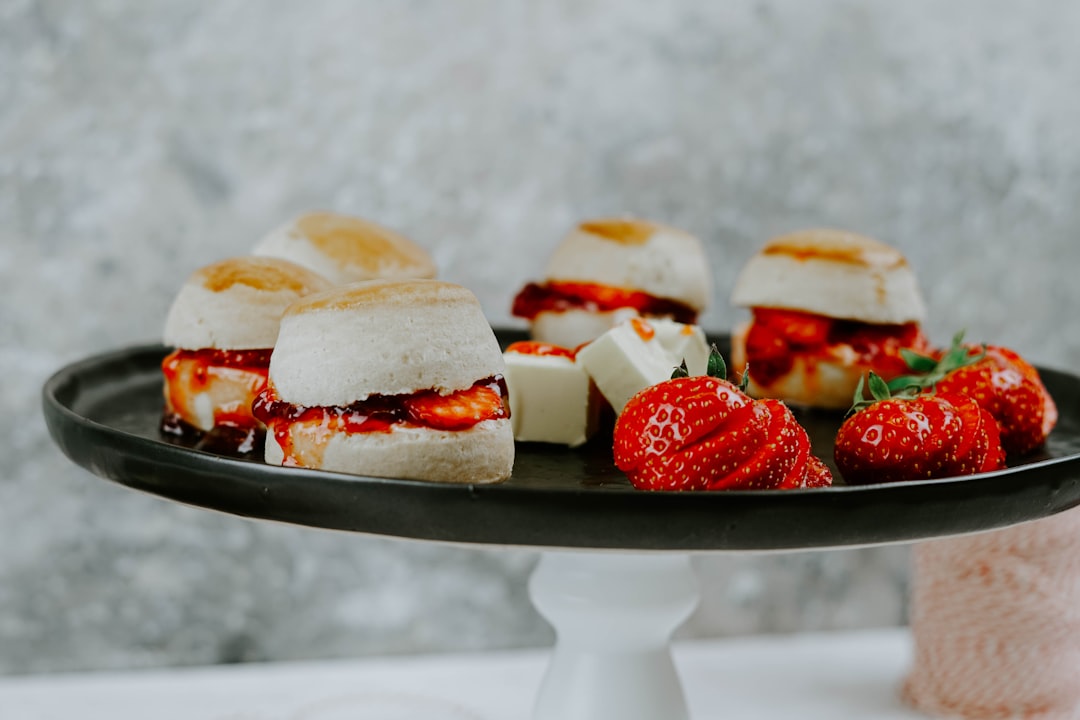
[389, 378]
[223, 324]
[347, 249]
[608, 270]
[827, 306]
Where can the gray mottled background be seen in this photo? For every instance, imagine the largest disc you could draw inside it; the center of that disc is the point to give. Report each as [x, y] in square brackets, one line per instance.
[139, 140]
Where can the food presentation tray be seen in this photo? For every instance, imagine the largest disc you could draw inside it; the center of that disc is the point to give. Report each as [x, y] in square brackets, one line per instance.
[104, 411]
[614, 601]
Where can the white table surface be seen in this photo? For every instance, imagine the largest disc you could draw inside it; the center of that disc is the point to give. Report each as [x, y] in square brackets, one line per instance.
[833, 676]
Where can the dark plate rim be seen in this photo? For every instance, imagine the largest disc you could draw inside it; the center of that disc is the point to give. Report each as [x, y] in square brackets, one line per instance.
[60, 418]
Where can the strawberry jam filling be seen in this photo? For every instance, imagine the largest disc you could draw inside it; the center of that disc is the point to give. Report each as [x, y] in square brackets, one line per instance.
[776, 337]
[530, 347]
[302, 432]
[536, 298]
[208, 396]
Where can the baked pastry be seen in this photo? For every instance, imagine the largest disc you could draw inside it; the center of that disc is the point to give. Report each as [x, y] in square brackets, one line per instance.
[391, 378]
[608, 270]
[827, 306]
[346, 249]
[223, 324]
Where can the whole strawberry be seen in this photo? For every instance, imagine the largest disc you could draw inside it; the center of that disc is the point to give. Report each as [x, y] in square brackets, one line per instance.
[1010, 389]
[704, 433]
[1000, 381]
[918, 437]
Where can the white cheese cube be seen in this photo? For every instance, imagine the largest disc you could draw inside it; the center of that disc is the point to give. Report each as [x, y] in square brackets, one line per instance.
[684, 342]
[625, 360]
[551, 399]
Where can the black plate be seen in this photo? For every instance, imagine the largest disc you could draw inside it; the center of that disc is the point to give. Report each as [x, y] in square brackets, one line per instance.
[103, 412]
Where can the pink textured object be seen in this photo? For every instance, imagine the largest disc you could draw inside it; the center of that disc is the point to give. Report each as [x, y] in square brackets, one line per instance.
[996, 623]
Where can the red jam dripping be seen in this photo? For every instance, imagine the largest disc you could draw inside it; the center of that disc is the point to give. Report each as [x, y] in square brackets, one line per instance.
[777, 336]
[487, 399]
[236, 432]
[230, 440]
[562, 296]
[530, 347]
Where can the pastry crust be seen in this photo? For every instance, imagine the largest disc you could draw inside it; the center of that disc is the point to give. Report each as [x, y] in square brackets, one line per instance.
[236, 304]
[832, 273]
[347, 249]
[385, 337]
[481, 454]
[635, 254]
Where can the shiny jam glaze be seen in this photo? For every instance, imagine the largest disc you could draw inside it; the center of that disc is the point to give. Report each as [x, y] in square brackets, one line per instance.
[230, 380]
[777, 336]
[531, 347]
[644, 330]
[536, 298]
[620, 230]
[303, 432]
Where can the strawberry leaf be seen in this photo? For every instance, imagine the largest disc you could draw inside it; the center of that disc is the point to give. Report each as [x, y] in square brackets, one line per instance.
[716, 368]
[879, 389]
[918, 363]
[859, 401]
[681, 371]
[744, 381]
[927, 372]
[904, 382]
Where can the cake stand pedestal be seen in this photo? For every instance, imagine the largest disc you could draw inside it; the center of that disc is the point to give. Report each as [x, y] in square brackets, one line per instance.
[613, 614]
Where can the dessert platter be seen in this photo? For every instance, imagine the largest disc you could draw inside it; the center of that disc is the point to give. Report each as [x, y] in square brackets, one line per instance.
[104, 413]
[329, 381]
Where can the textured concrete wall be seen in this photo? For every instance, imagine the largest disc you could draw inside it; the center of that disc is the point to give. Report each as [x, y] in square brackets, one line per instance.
[139, 140]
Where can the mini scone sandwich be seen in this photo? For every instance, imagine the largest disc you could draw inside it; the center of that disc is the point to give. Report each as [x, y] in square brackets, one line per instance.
[389, 378]
[607, 270]
[347, 249]
[827, 307]
[223, 324]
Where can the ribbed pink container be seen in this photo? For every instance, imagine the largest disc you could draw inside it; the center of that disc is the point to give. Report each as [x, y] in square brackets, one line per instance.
[996, 623]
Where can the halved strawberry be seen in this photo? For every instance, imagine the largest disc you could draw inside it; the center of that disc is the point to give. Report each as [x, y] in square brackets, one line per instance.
[458, 410]
[797, 328]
